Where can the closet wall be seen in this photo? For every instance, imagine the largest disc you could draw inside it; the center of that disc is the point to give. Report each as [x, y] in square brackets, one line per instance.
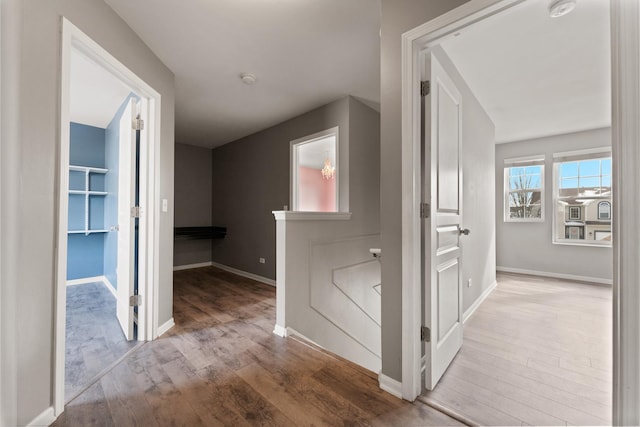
[93, 251]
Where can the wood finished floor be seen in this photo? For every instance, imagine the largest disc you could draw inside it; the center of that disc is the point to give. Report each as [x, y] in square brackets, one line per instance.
[221, 365]
[94, 339]
[536, 352]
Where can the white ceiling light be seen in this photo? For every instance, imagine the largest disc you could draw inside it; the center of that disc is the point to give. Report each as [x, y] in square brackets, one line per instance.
[248, 78]
[559, 8]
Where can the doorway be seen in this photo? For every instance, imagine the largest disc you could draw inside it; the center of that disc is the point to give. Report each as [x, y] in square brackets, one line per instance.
[415, 43]
[106, 265]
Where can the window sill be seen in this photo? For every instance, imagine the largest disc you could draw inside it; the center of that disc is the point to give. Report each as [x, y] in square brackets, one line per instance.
[521, 221]
[311, 216]
[589, 245]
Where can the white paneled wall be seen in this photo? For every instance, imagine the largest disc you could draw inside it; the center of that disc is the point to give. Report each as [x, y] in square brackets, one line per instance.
[328, 287]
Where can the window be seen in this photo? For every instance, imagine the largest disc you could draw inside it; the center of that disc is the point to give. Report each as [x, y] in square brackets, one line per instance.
[315, 172]
[582, 197]
[524, 189]
[604, 211]
[575, 213]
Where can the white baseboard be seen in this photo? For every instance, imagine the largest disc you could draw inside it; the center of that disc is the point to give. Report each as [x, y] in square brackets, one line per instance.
[478, 302]
[46, 418]
[166, 326]
[109, 286]
[84, 280]
[101, 279]
[390, 385]
[597, 280]
[280, 331]
[252, 276]
[190, 266]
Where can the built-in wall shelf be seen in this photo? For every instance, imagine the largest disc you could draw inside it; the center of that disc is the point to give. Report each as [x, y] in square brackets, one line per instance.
[86, 199]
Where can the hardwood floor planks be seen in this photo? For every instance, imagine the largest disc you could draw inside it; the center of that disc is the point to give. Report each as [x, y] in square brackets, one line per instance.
[221, 365]
[538, 350]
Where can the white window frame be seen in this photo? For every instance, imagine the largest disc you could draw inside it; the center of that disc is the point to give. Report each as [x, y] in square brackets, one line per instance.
[293, 184]
[571, 216]
[604, 202]
[537, 160]
[576, 156]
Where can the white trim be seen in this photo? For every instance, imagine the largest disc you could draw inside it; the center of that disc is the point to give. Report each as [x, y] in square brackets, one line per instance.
[625, 88]
[311, 216]
[293, 155]
[191, 266]
[584, 152]
[84, 280]
[109, 286]
[478, 302]
[102, 279]
[46, 418]
[391, 386]
[280, 331]
[165, 327]
[533, 160]
[246, 274]
[73, 39]
[597, 280]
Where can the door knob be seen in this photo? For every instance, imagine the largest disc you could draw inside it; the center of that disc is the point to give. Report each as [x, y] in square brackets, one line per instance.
[464, 231]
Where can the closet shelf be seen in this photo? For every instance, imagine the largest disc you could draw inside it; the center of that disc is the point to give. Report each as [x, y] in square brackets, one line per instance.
[88, 193]
[91, 169]
[86, 231]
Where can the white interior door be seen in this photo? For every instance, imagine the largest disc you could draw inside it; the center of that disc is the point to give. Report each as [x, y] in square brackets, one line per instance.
[441, 242]
[126, 225]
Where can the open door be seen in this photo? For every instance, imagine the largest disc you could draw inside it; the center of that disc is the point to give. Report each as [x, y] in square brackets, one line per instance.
[126, 224]
[442, 187]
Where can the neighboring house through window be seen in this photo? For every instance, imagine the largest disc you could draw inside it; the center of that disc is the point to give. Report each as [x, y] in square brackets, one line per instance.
[582, 197]
[524, 189]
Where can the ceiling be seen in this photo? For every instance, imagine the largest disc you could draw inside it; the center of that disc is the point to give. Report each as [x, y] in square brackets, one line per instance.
[304, 53]
[95, 94]
[535, 75]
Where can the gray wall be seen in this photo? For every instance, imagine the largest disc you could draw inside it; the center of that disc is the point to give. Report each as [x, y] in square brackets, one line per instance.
[33, 149]
[478, 196]
[528, 246]
[398, 16]
[193, 189]
[251, 179]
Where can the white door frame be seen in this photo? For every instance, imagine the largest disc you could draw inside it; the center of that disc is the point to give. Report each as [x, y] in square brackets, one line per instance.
[148, 255]
[625, 42]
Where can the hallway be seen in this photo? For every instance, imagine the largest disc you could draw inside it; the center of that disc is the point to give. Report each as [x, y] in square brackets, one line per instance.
[221, 365]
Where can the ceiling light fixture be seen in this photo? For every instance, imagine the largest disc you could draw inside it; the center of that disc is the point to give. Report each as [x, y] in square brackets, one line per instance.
[328, 171]
[248, 78]
[559, 8]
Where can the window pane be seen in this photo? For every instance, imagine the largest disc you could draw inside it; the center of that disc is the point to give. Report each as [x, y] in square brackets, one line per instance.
[530, 170]
[569, 183]
[534, 181]
[568, 169]
[606, 167]
[606, 182]
[516, 171]
[590, 168]
[592, 182]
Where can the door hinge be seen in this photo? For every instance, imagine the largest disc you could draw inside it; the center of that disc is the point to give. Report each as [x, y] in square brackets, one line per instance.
[425, 88]
[135, 300]
[425, 334]
[138, 124]
[425, 208]
[135, 212]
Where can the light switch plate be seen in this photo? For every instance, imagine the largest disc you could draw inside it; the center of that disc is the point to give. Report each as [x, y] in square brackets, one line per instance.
[165, 205]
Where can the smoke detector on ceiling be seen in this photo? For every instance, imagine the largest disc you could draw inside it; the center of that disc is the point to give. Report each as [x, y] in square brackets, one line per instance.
[248, 78]
[559, 8]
